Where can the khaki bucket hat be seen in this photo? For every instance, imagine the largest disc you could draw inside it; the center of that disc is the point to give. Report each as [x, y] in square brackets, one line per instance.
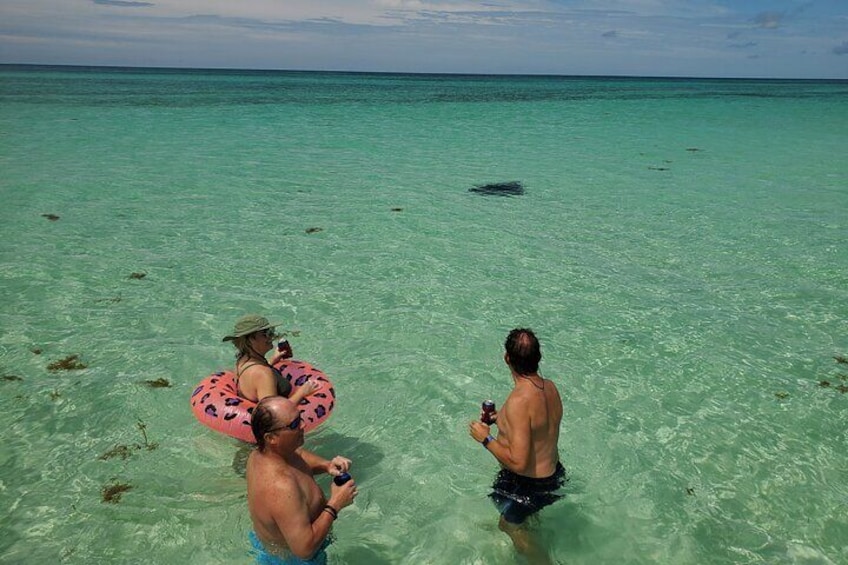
[249, 324]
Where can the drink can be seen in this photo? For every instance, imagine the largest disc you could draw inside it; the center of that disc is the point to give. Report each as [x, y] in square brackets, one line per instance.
[342, 478]
[488, 408]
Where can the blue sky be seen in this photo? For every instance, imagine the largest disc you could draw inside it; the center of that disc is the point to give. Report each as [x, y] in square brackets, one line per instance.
[720, 38]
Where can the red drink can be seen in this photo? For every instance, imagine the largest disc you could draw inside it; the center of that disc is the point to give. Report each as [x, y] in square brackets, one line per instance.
[488, 410]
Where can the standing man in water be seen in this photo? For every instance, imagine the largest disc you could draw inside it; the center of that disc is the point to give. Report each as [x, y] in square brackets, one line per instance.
[526, 444]
[291, 517]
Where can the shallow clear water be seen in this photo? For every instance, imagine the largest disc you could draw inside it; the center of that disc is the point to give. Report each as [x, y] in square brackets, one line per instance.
[680, 250]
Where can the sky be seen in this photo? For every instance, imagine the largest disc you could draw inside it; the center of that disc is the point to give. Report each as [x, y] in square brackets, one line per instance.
[689, 38]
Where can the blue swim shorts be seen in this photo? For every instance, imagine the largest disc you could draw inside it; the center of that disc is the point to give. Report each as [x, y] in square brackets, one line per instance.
[265, 558]
[518, 497]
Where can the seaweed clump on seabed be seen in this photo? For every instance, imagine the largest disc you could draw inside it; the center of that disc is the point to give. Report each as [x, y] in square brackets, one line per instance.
[69, 363]
[513, 188]
[112, 493]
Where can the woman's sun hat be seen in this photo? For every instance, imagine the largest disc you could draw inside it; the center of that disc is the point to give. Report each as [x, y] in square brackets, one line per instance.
[249, 324]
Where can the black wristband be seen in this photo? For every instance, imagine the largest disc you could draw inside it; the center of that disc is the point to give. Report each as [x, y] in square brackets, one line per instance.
[331, 511]
[486, 441]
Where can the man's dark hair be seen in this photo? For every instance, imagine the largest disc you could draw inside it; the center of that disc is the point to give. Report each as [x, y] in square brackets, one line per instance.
[523, 350]
[261, 422]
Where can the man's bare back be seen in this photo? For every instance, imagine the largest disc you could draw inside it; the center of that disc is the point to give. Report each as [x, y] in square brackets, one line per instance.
[533, 404]
[526, 443]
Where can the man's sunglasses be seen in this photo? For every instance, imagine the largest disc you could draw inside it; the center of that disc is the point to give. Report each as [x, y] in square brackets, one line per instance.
[295, 424]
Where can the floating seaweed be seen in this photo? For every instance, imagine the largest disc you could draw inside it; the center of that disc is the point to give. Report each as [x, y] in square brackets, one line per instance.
[293, 333]
[690, 491]
[824, 383]
[112, 493]
[121, 451]
[143, 428]
[781, 395]
[693, 149]
[126, 451]
[137, 276]
[69, 363]
[113, 299]
[10, 378]
[51, 217]
[55, 395]
[158, 383]
[652, 168]
[842, 389]
[397, 209]
[314, 230]
[841, 359]
[36, 350]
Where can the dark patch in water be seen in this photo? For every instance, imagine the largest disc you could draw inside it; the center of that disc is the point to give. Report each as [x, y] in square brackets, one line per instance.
[51, 217]
[112, 493]
[314, 230]
[10, 378]
[69, 363]
[513, 188]
[138, 276]
[158, 383]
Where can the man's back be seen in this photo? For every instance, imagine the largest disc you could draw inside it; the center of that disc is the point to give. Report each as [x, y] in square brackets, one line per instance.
[529, 424]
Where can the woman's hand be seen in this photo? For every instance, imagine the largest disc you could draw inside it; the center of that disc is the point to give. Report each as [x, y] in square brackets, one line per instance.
[309, 388]
[284, 350]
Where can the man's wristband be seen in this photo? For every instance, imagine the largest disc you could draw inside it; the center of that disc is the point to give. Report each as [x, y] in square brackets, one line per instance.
[486, 441]
[331, 511]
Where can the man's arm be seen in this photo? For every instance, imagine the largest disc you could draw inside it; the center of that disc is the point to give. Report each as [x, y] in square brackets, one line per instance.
[516, 453]
[320, 465]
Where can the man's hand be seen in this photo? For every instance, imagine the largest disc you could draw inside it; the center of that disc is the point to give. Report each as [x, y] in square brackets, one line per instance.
[478, 430]
[491, 416]
[337, 465]
[341, 496]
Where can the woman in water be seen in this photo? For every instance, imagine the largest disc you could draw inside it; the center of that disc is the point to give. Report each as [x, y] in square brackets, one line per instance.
[256, 377]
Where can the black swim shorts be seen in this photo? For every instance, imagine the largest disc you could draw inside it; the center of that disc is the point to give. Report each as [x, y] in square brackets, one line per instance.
[517, 497]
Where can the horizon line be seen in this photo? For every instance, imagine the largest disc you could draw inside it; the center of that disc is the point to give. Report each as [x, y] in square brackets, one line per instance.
[414, 73]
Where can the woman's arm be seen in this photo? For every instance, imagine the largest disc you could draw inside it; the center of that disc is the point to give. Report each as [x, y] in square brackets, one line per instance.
[306, 389]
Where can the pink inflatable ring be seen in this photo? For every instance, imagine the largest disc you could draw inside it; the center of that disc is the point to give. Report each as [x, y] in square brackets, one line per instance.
[216, 404]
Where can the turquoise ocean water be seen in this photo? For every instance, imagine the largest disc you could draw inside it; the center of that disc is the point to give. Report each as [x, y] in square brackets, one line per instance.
[680, 249]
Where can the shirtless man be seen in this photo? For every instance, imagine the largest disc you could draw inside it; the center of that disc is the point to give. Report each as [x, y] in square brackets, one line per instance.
[291, 516]
[526, 445]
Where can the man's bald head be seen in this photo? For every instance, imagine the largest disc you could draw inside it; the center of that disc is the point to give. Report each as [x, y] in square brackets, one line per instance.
[271, 412]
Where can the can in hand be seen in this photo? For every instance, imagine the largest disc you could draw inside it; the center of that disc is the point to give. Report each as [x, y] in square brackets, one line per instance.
[488, 410]
[342, 478]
